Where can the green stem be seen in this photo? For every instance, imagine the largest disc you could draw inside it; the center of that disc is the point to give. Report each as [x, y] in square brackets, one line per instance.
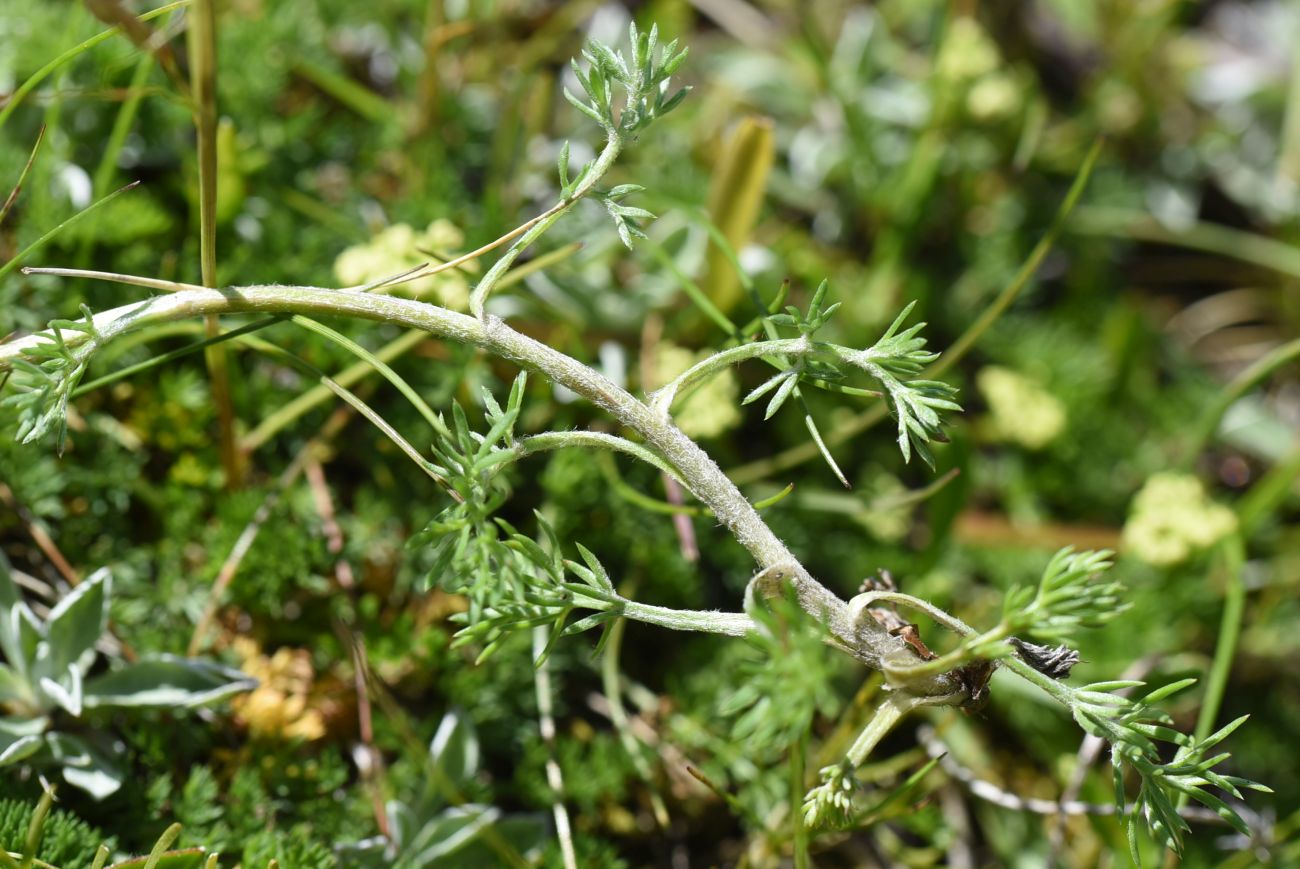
[797, 791]
[1268, 493]
[1288, 152]
[203, 91]
[697, 296]
[36, 245]
[699, 621]
[1012, 291]
[435, 422]
[36, 827]
[1058, 691]
[637, 498]
[662, 399]
[286, 414]
[478, 298]
[890, 711]
[1225, 650]
[178, 353]
[557, 440]
[352, 399]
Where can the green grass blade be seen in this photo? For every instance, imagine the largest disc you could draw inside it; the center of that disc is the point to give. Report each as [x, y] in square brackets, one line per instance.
[379, 365]
[36, 245]
[164, 358]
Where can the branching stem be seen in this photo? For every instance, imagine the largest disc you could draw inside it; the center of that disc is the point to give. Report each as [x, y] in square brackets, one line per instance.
[869, 643]
[700, 621]
[557, 440]
[891, 710]
[478, 298]
[662, 399]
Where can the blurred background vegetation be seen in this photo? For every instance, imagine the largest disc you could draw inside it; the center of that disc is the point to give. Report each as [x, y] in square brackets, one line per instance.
[1136, 394]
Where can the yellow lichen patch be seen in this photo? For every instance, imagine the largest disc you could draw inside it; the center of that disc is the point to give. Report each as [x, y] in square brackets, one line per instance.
[1020, 411]
[280, 706]
[399, 248]
[1172, 518]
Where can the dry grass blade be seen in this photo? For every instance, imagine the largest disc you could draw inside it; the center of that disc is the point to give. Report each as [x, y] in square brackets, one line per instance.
[22, 176]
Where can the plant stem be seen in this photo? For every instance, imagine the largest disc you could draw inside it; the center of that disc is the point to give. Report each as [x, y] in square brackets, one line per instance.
[478, 298]
[304, 402]
[546, 722]
[1266, 495]
[797, 790]
[556, 440]
[867, 642]
[699, 621]
[662, 398]
[891, 710]
[435, 422]
[1240, 385]
[203, 93]
[1058, 691]
[1225, 650]
[35, 245]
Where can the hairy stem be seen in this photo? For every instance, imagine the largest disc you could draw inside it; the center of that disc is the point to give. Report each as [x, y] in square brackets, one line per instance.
[700, 621]
[866, 641]
[662, 399]
[556, 440]
[890, 711]
[478, 298]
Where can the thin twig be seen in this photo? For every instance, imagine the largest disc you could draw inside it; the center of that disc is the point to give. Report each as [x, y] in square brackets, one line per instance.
[372, 770]
[611, 683]
[41, 537]
[650, 335]
[989, 792]
[320, 493]
[546, 721]
[202, 46]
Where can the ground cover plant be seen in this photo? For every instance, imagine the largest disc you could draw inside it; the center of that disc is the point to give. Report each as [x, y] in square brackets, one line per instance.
[572, 637]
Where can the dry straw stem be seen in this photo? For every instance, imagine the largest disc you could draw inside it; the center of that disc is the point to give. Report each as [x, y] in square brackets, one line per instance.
[203, 92]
